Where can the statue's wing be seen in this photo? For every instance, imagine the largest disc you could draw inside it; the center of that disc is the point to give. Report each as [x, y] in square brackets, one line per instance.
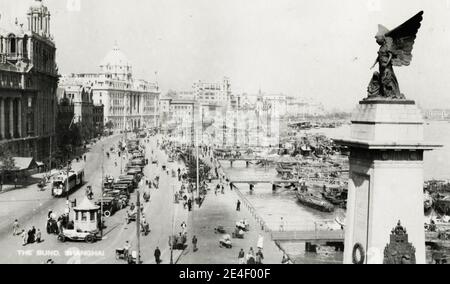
[401, 40]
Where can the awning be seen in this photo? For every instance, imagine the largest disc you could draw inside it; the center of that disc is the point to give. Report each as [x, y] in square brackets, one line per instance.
[23, 163]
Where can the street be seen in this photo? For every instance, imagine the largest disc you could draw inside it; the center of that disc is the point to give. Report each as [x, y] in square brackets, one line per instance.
[31, 206]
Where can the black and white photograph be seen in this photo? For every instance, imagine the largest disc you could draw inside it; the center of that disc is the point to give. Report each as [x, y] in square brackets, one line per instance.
[224, 132]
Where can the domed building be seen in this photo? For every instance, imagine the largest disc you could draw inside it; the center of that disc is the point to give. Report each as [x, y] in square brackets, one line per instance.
[117, 64]
[28, 83]
[129, 103]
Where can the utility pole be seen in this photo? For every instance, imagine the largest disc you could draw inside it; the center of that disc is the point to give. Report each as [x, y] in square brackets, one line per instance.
[138, 227]
[173, 227]
[197, 160]
[101, 197]
[50, 158]
[67, 187]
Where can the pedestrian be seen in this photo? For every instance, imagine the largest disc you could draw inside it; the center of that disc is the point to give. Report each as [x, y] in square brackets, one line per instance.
[38, 236]
[126, 249]
[223, 189]
[33, 234]
[282, 224]
[238, 205]
[15, 227]
[259, 257]
[189, 204]
[251, 256]
[194, 243]
[24, 236]
[84, 157]
[183, 227]
[241, 256]
[157, 255]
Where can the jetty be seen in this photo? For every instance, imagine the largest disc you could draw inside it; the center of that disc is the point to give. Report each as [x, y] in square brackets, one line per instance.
[333, 237]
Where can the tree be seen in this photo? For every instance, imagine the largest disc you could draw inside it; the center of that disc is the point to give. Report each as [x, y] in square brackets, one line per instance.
[192, 169]
[109, 125]
[7, 163]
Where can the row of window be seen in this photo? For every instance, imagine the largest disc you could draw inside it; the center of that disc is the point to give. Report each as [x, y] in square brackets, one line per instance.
[10, 80]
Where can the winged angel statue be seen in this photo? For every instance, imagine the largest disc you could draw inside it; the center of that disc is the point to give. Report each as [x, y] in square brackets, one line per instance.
[395, 50]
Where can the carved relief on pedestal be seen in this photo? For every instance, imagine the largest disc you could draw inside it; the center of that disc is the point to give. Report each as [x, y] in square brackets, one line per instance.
[399, 250]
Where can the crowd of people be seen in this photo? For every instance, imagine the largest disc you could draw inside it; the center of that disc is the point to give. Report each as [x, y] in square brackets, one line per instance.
[32, 235]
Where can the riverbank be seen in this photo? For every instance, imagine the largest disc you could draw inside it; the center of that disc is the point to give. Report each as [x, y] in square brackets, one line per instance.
[219, 209]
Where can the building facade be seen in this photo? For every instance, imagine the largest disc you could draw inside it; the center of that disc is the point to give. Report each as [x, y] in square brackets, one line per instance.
[128, 103]
[221, 118]
[28, 84]
[81, 96]
[212, 93]
[98, 119]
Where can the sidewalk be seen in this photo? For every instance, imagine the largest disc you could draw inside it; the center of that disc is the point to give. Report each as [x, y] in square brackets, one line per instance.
[217, 211]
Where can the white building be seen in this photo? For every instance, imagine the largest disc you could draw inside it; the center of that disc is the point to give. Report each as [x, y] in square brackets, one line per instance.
[212, 93]
[128, 103]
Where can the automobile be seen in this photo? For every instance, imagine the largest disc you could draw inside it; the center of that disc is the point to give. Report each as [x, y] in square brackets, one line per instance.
[74, 235]
[126, 187]
[109, 205]
[122, 197]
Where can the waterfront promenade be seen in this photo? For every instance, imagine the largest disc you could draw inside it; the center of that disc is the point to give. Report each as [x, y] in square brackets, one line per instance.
[220, 210]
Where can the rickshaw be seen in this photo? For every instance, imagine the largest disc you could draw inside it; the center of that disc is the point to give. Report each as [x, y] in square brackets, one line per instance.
[238, 233]
[89, 193]
[42, 184]
[225, 241]
[120, 253]
[178, 242]
[146, 195]
[132, 258]
[145, 228]
[131, 216]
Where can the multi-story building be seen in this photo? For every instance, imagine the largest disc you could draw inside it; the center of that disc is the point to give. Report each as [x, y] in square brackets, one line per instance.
[437, 114]
[28, 84]
[128, 103]
[65, 112]
[222, 118]
[81, 97]
[98, 118]
[304, 107]
[212, 93]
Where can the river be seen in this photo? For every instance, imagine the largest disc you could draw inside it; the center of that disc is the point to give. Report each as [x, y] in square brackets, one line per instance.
[272, 206]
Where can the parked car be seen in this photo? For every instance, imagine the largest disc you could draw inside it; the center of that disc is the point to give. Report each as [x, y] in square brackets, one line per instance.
[74, 235]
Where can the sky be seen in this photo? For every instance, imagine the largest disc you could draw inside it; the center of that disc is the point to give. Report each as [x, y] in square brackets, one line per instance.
[320, 49]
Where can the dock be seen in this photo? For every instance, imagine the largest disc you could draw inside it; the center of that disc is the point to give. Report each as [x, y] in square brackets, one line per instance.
[290, 181]
[309, 236]
[337, 236]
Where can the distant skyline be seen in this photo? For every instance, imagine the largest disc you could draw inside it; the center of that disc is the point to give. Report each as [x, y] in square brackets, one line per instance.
[321, 49]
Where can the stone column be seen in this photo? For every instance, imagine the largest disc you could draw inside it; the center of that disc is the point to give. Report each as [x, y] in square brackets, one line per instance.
[385, 181]
[2, 118]
[19, 117]
[11, 117]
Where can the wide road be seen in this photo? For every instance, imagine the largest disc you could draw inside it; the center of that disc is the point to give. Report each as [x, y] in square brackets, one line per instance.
[31, 206]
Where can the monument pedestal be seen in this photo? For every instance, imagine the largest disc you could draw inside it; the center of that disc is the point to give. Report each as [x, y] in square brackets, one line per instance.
[385, 179]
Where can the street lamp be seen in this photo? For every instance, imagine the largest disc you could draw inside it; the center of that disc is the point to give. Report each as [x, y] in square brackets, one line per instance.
[173, 226]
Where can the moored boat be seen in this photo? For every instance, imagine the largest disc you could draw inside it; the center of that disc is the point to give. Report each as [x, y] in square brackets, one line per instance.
[314, 202]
